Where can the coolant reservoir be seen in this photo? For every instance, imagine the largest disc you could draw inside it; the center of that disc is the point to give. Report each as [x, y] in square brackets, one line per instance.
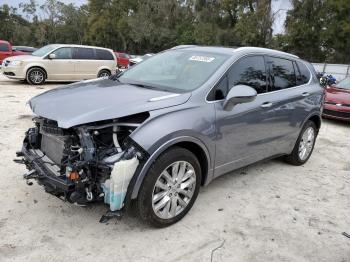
[115, 188]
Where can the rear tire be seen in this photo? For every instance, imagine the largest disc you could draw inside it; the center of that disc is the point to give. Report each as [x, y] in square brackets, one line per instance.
[104, 73]
[170, 188]
[36, 76]
[304, 146]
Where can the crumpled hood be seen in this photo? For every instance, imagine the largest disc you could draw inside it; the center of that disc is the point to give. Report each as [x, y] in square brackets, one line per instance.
[97, 100]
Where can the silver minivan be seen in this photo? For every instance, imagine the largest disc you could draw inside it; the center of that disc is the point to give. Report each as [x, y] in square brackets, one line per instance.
[157, 132]
[59, 62]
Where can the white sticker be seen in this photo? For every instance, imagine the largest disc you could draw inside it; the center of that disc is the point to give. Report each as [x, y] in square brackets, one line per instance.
[202, 58]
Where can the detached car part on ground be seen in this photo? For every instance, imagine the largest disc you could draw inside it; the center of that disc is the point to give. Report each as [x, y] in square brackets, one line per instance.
[158, 131]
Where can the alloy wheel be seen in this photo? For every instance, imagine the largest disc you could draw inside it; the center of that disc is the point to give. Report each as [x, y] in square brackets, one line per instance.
[173, 190]
[306, 143]
[36, 77]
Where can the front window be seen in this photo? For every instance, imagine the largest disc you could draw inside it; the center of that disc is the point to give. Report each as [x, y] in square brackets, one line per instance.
[344, 84]
[175, 70]
[44, 50]
[63, 53]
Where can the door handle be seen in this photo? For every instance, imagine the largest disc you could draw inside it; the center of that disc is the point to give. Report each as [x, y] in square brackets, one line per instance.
[305, 94]
[266, 104]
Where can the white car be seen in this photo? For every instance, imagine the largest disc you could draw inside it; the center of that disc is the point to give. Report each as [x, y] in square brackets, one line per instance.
[58, 62]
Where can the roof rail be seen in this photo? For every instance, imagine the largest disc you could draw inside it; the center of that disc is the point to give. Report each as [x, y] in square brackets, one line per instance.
[182, 46]
[265, 49]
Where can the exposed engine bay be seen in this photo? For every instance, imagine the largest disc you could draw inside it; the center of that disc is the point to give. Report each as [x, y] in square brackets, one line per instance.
[87, 163]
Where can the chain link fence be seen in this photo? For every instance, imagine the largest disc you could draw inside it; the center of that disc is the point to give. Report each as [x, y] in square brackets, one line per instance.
[339, 71]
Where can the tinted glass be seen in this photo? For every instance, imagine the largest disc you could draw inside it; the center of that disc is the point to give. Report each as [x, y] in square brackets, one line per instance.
[282, 73]
[103, 54]
[4, 47]
[220, 90]
[303, 74]
[249, 71]
[63, 53]
[84, 53]
[175, 70]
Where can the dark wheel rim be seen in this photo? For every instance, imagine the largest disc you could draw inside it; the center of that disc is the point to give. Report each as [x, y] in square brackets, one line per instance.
[173, 190]
[104, 74]
[36, 76]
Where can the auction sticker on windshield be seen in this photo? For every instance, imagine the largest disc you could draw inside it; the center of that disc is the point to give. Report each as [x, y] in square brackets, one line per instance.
[202, 58]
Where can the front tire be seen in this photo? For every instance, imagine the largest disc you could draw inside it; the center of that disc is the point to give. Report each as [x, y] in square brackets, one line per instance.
[170, 188]
[304, 146]
[36, 76]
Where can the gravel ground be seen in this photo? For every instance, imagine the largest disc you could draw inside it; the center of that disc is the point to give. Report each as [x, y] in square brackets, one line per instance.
[267, 212]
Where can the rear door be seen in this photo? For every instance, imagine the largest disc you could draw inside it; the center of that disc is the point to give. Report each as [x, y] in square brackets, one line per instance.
[86, 65]
[286, 96]
[62, 66]
[5, 51]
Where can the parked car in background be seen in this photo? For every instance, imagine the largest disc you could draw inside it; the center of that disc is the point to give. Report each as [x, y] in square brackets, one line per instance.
[61, 63]
[6, 50]
[24, 49]
[158, 131]
[123, 59]
[139, 59]
[337, 101]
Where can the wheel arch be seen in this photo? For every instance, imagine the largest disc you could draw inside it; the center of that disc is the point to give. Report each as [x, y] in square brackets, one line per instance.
[316, 118]
[192, 144]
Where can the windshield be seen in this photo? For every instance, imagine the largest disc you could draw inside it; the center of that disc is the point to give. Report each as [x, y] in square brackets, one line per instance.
[175, 70]
[44, 50]
[344, 84]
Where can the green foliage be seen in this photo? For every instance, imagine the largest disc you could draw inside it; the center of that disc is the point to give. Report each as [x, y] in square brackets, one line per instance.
[317, 30]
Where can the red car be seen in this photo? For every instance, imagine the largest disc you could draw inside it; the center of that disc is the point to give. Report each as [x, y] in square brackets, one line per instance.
[7, 51]
[123, 59]
[337, 101]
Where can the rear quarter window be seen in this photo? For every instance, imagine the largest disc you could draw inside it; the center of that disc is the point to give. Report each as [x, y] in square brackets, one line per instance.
[4, 47]
[303, 73]
[102, 54]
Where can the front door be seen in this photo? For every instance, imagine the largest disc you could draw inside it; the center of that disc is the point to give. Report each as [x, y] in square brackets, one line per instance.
[244, 134]
[62, 66]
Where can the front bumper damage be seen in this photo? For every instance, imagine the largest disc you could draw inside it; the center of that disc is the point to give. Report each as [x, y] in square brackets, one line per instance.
[78, 169]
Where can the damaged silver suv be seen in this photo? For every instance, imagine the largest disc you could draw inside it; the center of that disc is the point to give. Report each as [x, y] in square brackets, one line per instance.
[155, 133]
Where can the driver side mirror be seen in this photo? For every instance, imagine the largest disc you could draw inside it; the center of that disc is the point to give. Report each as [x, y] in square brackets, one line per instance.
[239, 94]
[52, 56]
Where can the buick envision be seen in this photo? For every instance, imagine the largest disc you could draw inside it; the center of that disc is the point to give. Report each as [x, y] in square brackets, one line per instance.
[158, 131]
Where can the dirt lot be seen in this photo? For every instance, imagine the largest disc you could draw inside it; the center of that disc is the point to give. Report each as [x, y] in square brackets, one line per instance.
[267, 212]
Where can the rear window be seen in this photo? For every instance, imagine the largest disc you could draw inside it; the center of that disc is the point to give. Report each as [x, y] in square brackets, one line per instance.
[102, 54]
[84, 53]
[282, 72]
[4, 47]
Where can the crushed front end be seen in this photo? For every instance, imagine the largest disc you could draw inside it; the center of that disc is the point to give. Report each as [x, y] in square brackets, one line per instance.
[84, 164]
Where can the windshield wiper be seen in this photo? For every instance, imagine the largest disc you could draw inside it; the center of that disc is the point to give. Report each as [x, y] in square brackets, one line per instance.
[141, 85]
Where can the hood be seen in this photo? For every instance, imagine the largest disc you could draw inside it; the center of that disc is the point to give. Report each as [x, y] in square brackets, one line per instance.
[337, 95]
[100, 99]
[23, 58]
